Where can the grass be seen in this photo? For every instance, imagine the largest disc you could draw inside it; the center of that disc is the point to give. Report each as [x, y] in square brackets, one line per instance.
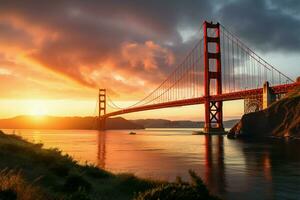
[28, 171]
[13, 186]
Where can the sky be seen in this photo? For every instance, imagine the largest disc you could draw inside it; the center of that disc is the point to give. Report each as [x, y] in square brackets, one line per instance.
[54, 55]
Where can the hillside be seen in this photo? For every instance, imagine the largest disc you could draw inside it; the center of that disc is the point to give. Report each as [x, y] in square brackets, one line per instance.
[49, 122]
[281, 119]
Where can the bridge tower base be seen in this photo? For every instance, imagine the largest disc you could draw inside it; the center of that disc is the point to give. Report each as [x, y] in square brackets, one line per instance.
[268, 96]
[102, 109]
[212, 73]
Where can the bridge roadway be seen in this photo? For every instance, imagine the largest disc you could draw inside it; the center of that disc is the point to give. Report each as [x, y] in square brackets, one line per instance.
[279, 89]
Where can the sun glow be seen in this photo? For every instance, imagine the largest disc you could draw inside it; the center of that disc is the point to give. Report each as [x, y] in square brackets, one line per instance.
[38, 108]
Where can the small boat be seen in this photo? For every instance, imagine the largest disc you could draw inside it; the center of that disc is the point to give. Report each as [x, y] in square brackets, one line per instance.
[132, 133]
[197, 133]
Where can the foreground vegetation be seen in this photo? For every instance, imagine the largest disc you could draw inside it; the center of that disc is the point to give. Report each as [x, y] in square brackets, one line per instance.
[27, 172]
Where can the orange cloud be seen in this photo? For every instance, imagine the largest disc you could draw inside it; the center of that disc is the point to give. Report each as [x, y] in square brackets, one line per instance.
[68, 50]
[147, 55]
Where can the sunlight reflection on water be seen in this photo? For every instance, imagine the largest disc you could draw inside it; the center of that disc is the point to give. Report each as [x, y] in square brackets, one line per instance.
[231, 168]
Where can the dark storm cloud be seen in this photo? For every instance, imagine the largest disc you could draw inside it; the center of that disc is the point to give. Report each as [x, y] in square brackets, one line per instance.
[270, 25]
[91, 32]
[13, 37]
[153, 19]
[89, 41]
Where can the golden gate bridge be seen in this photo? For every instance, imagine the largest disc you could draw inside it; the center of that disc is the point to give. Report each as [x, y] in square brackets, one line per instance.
[219, 68]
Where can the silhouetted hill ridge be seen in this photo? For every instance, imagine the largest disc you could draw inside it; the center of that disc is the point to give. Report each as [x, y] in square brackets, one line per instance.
[50, 122]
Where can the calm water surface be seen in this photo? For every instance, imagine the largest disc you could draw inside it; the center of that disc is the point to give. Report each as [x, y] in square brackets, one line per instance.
[232, 169]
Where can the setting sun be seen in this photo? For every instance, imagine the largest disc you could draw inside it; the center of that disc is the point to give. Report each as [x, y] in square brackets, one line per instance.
[38, 108]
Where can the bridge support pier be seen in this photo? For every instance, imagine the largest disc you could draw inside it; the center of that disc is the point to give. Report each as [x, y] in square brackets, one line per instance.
[212, 73]
[268, 96]
[102, 109]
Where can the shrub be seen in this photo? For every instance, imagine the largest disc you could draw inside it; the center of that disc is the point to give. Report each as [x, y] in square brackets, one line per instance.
[196, 190]
[79, 195]
[129, 182]
[60, 169]
[95, 172]
[75, 183]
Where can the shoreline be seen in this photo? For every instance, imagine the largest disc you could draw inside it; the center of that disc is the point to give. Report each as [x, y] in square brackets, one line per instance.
[52, 175]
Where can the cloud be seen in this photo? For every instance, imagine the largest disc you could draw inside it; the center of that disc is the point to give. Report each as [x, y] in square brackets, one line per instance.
[127, 46]
[148, 55]
[268, 25]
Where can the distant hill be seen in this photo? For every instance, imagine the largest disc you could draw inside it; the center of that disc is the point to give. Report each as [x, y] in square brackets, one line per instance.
[281, 119]
[49, 122]
[163, 123]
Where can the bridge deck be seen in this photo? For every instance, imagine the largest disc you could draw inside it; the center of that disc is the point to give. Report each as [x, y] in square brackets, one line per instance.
[280, 89]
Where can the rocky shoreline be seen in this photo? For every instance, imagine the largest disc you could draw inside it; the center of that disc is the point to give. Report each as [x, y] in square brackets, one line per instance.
[280, 120]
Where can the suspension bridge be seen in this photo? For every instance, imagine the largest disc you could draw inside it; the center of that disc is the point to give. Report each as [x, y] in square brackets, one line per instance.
[219, 68]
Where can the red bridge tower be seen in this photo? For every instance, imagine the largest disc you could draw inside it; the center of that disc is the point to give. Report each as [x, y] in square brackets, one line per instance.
[102, 109]
[212, 73]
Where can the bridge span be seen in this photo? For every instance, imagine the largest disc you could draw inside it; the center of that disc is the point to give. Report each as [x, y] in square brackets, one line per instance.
[219, 68]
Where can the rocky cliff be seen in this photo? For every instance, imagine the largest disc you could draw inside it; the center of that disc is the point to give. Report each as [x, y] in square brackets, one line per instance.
[281, 119]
